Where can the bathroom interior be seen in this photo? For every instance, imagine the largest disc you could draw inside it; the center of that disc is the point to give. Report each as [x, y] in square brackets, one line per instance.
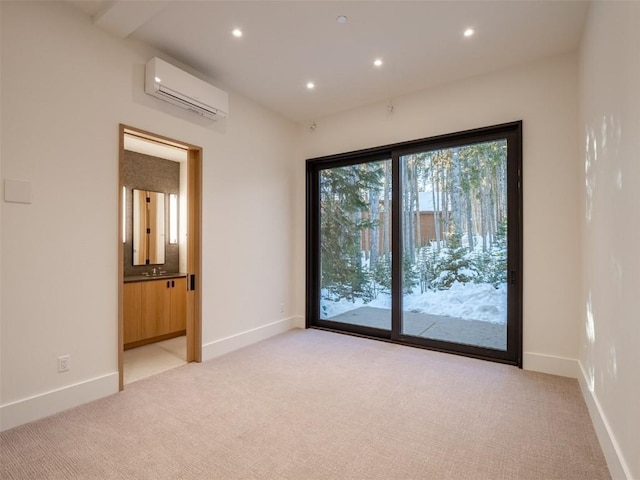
[154, 252]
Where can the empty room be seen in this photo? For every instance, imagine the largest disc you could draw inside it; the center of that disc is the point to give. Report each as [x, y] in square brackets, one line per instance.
[319, 239]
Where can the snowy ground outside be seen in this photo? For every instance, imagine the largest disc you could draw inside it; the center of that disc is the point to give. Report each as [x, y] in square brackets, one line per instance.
[470, 301]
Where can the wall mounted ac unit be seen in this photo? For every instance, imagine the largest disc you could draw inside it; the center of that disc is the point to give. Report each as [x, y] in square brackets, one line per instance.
[176, 86]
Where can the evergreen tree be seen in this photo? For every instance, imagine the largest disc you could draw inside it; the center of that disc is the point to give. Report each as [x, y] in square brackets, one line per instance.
[410, 275]
[498, 257]
[453, 264]
[382, 274]
[344, 200]
[426, 260]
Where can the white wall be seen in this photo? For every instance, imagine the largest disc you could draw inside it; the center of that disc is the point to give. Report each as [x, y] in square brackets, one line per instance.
[610, 224]
[58, 255]
[65, 87]
[544, 96]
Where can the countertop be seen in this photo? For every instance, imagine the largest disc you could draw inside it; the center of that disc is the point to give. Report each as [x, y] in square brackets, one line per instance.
[157, 276]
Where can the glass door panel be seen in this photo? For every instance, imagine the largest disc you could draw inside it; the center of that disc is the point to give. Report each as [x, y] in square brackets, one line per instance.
[420, 243]
[355, 244]
[454, 243]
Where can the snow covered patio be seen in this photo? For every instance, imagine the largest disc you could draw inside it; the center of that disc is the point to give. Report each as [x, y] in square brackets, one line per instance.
[437, 327]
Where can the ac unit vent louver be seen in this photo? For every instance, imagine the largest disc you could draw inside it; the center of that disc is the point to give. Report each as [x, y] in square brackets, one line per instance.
[173, 85]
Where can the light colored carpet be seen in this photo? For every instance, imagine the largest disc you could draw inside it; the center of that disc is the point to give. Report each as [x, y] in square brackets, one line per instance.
[310, 404]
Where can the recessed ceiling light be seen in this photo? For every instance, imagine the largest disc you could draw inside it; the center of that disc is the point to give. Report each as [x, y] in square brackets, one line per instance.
[342, 19]
[237, 32]
[469, 32]
[158, 79]
[377, 62]
[311, 85]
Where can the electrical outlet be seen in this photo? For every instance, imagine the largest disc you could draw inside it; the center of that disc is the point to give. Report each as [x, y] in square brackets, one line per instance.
[64, 363]
[282, 308]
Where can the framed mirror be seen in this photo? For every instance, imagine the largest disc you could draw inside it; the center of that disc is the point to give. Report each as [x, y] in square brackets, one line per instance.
[148, 227]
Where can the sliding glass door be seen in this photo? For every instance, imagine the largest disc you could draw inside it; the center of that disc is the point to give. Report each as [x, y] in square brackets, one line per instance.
[355, 244]
[420, 243]
[454, 230]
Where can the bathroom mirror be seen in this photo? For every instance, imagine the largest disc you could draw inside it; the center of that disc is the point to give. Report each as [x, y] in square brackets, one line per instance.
[148, 227]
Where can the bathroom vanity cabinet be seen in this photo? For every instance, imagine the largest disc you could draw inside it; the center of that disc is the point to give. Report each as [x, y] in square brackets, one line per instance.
[154, 310]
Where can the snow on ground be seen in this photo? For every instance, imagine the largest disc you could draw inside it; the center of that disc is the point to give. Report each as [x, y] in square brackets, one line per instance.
[472, 301]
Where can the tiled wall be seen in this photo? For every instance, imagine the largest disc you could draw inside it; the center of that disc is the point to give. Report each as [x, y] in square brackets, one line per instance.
[144, 172]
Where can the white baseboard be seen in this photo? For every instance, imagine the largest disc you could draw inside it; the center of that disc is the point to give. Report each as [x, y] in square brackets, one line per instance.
[42, 405]
[246, 338]
[615, 461]
[537, 362]
[299, 321]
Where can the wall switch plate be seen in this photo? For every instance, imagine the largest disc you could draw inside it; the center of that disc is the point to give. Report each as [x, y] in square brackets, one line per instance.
[17, 191]
[64, 363]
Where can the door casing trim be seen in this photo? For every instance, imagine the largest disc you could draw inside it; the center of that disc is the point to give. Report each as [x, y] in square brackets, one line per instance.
[194, 245]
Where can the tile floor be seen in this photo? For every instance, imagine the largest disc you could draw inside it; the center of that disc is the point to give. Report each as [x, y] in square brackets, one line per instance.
[148, 360]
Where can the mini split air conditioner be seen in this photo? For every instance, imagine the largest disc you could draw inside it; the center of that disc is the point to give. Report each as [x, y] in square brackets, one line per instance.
[176, 86]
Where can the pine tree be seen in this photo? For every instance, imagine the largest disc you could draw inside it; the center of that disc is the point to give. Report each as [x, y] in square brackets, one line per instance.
[344, 200]
[382, 273]
[453, 264]
[498, 257]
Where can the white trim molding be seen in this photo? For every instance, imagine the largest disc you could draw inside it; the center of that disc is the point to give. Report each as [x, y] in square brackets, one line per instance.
[299, 321]
[42, 405]
[538, 362]
[243, 339]
[615, 460]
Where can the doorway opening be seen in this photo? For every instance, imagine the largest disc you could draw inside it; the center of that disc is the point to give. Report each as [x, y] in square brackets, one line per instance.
[159, 259]
[420, 243]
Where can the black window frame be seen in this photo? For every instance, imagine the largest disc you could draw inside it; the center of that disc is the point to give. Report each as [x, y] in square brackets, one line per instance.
[512, 132]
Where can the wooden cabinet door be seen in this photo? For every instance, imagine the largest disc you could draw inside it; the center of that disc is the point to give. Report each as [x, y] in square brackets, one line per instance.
[178, 304]
[132, 303]
[156, 308]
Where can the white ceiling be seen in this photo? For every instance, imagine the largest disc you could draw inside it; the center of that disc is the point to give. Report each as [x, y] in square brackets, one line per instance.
[288, 43]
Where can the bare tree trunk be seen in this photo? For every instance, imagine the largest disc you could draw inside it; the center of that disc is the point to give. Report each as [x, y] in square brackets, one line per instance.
[446, 211]
[407, 209]
[418, 241]
[494, 204]
[374, 231]
[435, 191]
[456, 191]
[483, 218]
[386, 237]
[470, 233]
